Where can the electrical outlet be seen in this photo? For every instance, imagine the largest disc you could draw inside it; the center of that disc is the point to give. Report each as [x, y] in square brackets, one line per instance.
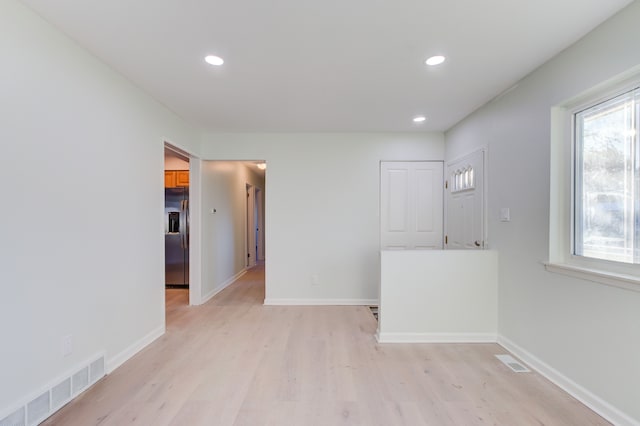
[315, 279]
[67, 345]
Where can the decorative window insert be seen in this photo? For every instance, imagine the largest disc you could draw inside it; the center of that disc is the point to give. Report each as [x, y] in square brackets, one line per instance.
[463, 179]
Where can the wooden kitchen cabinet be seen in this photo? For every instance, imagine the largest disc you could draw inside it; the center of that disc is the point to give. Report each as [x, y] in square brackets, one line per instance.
[182, 177]
[176, 178]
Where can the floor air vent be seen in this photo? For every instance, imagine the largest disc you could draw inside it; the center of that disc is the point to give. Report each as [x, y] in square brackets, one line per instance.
[80, 380]
[17, 418]
[96, 369]
[374, 311]
[60, 394]
[38, 409]
[52, 398]
[513, 363]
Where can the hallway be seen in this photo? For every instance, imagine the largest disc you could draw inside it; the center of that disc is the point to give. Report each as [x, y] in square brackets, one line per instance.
[234, 361]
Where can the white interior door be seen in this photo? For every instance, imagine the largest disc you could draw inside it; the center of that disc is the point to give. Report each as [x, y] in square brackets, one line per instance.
[259, 225]
[251, 227]
[465, 202]
[411, 211]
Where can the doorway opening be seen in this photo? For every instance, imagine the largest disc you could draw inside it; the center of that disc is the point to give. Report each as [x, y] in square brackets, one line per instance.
[176, 226]
[255, 227]
[233, 221]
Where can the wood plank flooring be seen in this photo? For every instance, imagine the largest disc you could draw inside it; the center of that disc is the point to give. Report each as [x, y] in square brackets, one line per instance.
[233, 361]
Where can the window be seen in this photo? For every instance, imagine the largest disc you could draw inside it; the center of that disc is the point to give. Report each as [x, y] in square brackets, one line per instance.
[462, 179]
[606, 180]
[594, 192]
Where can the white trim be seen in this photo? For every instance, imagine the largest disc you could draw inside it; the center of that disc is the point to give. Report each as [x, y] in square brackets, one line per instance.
[119, 359]
[595, 403]
[625, 281]
[195, 231]
[436, 337]
[321, 302]
[224, 285]
[178, 148]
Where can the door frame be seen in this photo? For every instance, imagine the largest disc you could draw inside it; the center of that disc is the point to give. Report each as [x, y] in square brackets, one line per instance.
[195, 222]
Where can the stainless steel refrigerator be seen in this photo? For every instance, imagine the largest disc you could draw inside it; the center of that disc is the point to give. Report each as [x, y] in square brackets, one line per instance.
[176, 238]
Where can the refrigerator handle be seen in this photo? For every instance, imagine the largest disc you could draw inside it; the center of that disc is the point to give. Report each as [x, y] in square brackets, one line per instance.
[186, 223]
[182, 224]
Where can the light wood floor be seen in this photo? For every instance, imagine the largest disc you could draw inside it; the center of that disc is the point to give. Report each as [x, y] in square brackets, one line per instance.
[236, 362]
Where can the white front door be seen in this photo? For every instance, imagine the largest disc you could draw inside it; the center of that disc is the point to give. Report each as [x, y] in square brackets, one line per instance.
[411, 200]
[465, 202]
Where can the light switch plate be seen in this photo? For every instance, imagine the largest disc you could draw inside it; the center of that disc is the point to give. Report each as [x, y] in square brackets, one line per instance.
[67, 345]
[505, 214]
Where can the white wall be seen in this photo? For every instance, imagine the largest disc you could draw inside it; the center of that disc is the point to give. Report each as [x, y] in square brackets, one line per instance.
[438, 296]
[588, 332]
[81, 251]
[224, 232]
[322, 199]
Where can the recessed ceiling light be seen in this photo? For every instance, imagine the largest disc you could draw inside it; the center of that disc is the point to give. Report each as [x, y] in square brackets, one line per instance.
[419, 119]
[214, 60]
[435, 60]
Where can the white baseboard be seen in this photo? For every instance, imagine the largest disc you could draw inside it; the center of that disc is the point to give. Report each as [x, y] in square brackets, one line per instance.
[597, 404]
[221, 287]
[119, 359]
[436, 337]
[321, 302]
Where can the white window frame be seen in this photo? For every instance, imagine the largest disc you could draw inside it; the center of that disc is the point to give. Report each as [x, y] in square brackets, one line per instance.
[561, 203]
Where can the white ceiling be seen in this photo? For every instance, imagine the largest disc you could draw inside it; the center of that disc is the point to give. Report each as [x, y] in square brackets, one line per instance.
[325, 65]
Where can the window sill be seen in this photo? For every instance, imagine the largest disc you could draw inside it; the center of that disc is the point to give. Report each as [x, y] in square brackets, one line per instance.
[627, 282]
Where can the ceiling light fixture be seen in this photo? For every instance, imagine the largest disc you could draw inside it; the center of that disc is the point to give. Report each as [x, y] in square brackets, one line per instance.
[214, 60]
[261, 166]
[435, 60]
[419, 119]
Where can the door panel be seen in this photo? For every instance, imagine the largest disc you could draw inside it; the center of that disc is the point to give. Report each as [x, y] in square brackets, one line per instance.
[411, 205]
[398, 200]
[424, 200]
[469, 219]
[465, 202]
